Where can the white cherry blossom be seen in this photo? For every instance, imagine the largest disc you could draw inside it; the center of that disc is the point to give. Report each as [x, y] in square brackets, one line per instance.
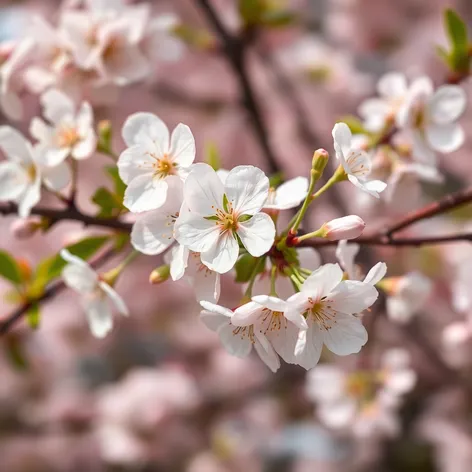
[153, 159]
[238, 340]
[355, 162]
[21, 175]
[288, 195]
[97, 297]
[219, 213]
[70, 132]
[329, 306]
[432, 116]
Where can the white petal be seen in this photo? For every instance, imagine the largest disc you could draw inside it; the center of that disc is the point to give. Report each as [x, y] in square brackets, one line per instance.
[196, 233]
[445, 138]
[203, 191]
[41, 131]
[323, 280]
[268, 356]
[58, 177]
[247, 187]
[421, 151]
[182, 145]
[141, 127]
[447, 104]
[30, 197]
[342, 139]
[326, 383]
[86, 146]
[217, 309]
[247, 314]
[12, 105]
[179, 261]
[399, 309]
[56, 105]
[338, 415]
[51, 156]
[206, 284]
[15, 146]
[257, 234]
[309, 346]
[113, 296]
[345, 335]
[214, 321]
[290, 194]
[78, 275]
[127, 66]
[13, 181]
[392, 85]
[346, 254]
[358, 163]
[284, 339]
[352, 296]
[145, 193]
[136, 161]
[235, 343]
[270, 302]
[99, 316]
[376, 274]
[222, 256]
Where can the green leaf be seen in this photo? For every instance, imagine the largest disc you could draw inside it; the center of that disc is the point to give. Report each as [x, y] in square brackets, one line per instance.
[9, 268]
[119, 186]
[245, 266]
[33, 316]
[107, 201]
[52, 267]
[355, 125]
[212, 156]
[457, 32]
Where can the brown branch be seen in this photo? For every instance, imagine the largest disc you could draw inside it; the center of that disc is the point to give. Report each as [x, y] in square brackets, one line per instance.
[54, 289]
[56, 215]
[235, 54]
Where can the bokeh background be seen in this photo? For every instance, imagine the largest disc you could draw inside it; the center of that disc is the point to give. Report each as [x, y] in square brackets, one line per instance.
[160, 393]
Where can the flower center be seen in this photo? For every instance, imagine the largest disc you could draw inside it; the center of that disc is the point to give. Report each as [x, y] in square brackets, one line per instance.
[245, 332]
[164, 166]
[273, 320]
[321, 312]
[67, 137]
[31, 172]
[226, 218]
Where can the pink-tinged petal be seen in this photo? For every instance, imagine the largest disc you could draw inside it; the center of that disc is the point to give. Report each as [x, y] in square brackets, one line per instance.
[266, 353]
[342, 137]
[152, 232]
[376, 274]
[127, 66]
[445, 138]
[236, 344]
[283, 339]
[247, 314]
[309, 346]
[346, 254]
[12, 105]
[44, 133]
[326, 383]
[270, 302]
[56, 105]
[358, 163]
[290, 194]
[338, 415]
[247, 188]
[135, 161]
[222, 256]
[13, 181]
[344, 335]
[257, 234]
[140, 127]
[392, 85]
[98, 315]
[352, 296]
[196, 233]
[207, 285]
[421, 151]
[447, 104]
[58, 177]
[145, 193]
[116, 300]
[213, 320]
[203, 191]
[15, 146]
[182, 145]
[323, 280]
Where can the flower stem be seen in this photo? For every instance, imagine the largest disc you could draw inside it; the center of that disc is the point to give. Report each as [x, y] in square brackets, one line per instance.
[252, 279]
[338, 176]
[314, 176]
[315, 234]
[273, 278]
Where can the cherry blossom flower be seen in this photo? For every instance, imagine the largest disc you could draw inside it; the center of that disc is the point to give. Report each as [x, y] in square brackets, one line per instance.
[153, 159]
[238, 340]
[267, 315]
[71, 132]
[96, 294]
[347, 227]
[188, 264]
[219, 213]
[355, 162]
[432, 116]
[329, 305]
[153, 231]
[288, 195]
[21, 175]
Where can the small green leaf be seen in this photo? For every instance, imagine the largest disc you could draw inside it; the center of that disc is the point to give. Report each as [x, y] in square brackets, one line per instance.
[119, 186]
[225, 203]
[276, 179]
[355, 125]
[9, 268]
[14, 353]
[458, 37]
[33, 316]
[107, 201]
[212, 156]
[245, 267]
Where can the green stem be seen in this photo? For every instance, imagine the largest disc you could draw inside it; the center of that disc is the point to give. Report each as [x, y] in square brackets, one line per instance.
[315, 234]
[338, 176]
[256, 270]
[273, 278]
[314, 176]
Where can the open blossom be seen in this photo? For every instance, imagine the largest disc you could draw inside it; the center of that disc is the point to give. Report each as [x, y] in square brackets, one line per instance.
[238, 340]
[288, 195]
[219, 213]
[329, 305]
[347, 227]
[153, 231]
[96, 294]
[432, 116]
[153, 159]
[21, 175]
[355, 162]
[70, 132]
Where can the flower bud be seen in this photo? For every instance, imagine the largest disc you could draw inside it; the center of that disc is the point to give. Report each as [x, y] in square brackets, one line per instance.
[159, 275]
[25, 228]
[320, 160]
[347, 227]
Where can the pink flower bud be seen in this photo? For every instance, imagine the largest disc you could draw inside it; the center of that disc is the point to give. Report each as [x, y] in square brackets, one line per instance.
[347, 227]
[25, 228]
